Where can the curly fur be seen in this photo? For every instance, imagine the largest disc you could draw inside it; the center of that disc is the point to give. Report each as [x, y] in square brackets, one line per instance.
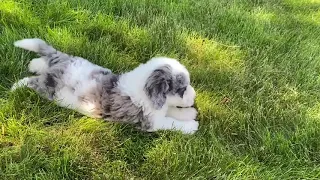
[147, 96]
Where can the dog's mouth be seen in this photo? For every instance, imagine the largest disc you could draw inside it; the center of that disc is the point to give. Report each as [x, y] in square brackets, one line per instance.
[185, 106]
[193, 106]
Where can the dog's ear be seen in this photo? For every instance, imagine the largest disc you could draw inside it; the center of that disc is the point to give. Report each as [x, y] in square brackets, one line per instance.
[158, 85]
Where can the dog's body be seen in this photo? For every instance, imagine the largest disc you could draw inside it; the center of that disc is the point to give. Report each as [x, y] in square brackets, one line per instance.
[148, 95]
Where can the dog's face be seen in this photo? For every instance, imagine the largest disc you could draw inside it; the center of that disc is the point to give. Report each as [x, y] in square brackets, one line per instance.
[170, 84]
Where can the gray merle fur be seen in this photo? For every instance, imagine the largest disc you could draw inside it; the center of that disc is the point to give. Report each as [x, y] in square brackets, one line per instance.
[107, 98]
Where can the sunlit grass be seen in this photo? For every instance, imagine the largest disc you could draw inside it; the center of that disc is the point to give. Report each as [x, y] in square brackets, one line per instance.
[312, 17]
[206, 53]
[255, 66]
[298, 3]
[263, 15]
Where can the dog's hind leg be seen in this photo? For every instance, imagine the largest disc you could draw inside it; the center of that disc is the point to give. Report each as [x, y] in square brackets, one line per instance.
[38, 65]
[41, 84]
[21, 83]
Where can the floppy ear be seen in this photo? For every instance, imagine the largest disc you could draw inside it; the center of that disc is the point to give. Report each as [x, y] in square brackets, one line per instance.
[158, 85]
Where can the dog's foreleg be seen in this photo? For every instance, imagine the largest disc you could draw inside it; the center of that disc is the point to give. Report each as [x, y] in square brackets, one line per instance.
[182, 114]
[168, 123]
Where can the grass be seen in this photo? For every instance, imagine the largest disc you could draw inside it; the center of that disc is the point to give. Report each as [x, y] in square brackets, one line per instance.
[255, 65]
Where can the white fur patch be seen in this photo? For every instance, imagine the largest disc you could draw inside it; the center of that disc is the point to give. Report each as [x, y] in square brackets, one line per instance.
[20, 83]
[38, 65]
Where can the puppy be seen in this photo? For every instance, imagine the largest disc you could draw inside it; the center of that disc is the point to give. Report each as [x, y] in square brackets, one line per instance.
[148, 96]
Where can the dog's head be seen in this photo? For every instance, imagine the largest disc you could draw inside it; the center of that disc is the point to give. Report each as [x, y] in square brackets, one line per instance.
[169, 83]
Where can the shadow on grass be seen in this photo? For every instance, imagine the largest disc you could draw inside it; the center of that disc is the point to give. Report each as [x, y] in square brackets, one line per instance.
[254, 98]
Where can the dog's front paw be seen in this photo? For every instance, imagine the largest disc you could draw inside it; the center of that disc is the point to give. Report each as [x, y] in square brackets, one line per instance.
[190, 113]
[183, 114]
[190, 127]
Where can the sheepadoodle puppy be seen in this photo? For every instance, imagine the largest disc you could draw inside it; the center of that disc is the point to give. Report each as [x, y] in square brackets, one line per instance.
[155, 96]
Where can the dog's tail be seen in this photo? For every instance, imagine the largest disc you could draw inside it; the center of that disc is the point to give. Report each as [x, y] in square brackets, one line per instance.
[36, 45]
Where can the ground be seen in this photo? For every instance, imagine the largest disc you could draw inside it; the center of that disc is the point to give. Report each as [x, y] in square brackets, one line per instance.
[255, 65]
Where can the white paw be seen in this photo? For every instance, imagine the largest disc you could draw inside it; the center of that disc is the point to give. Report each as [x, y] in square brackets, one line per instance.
[190, 127]
[190, 113]
[20, 83]
[182, 114]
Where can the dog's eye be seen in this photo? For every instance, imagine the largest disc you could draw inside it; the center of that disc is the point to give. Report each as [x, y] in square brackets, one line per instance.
[181, 91]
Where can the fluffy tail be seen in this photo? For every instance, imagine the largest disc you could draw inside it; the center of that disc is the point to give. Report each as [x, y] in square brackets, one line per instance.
[36, 45]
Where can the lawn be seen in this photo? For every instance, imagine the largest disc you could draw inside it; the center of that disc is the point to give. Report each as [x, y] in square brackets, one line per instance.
[255, 65]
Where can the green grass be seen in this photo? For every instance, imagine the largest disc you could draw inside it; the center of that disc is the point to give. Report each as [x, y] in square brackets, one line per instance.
[261, 55]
